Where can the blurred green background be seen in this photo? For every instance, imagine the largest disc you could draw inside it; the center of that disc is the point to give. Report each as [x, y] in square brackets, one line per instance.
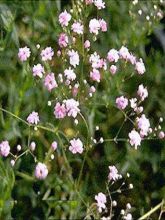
[35, 22]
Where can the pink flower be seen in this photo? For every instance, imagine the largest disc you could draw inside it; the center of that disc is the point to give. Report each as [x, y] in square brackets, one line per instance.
[139, 66]
[94, 59]
[74, 58]
[70, 74]
[124, 53]
[142, 92]
[76, 146]
[128, 217]
[88, 2]
[75, 90]
[143, 124]
[38, 70]
[133, 103]
[99, 4]
[77, 27]
[24, 53]
[59, 110]
[122, 102]
[87, 44]
[161, 135]
[134, 138]
[63, 40]
[113, 173]
[47, 54]
[32, 146]
[132, 59]
[95, 75]
[94, 26]
[113, 69]
[92, 89]
[64, 18]
[113, 56]
[101, 200]
[33, 118]
[4, 148]
[41, 171]
[72, 107]
[50, 82]
[54, 145]
[103, 25]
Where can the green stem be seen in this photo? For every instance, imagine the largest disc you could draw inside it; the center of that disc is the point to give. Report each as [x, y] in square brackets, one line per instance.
[152, 211]
[13, 115]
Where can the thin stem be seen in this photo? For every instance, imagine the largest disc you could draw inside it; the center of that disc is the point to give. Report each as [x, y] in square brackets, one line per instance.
[13, 115]
[82, 167]
[152, 211]
[70, 171]
[86, 127]
[110, 215]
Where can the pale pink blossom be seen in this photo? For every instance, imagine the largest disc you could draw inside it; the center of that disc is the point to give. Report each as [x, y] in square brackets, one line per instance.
[38, 70]
[100, 4]
[63, 40]
[94, 26]
[74, 58]
[121, 102]
[88, 2]
[113, 173]
[95, 75]
[70, 74]
[87, 44]
[92, 89]
[128, 217]
[94, 59]
[139, 109]
[77, 27]
[41, 171]
[103, 25]
[76, 146]
[142, 92]
[113, 69]
[101, 200]
[33, 118]
[50, 82]
[134, 138]
[64, 18]
[32, 146]
[143, 125]
[72, 107]
[24, 53]
[75, 90]
[4, 148]
[59, 53]
[113, 55]
[47, 54]
[54, 145]
[132, 59]
[124, 53]
[161, 135]
[59, 110]
[133, 103]
[139, 66]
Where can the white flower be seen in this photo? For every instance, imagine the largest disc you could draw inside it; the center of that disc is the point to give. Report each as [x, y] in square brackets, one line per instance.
[70, 74]
[134, 138]
[74, 58]
[94, 26]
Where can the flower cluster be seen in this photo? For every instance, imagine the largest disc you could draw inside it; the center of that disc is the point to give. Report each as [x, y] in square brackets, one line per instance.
[69, 107]
[72, 87]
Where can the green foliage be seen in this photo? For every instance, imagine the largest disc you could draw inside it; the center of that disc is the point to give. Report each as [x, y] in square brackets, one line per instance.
[32, 22]
[7, 180]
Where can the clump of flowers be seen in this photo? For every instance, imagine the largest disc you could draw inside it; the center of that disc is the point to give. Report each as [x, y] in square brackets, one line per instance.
[71, 88]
